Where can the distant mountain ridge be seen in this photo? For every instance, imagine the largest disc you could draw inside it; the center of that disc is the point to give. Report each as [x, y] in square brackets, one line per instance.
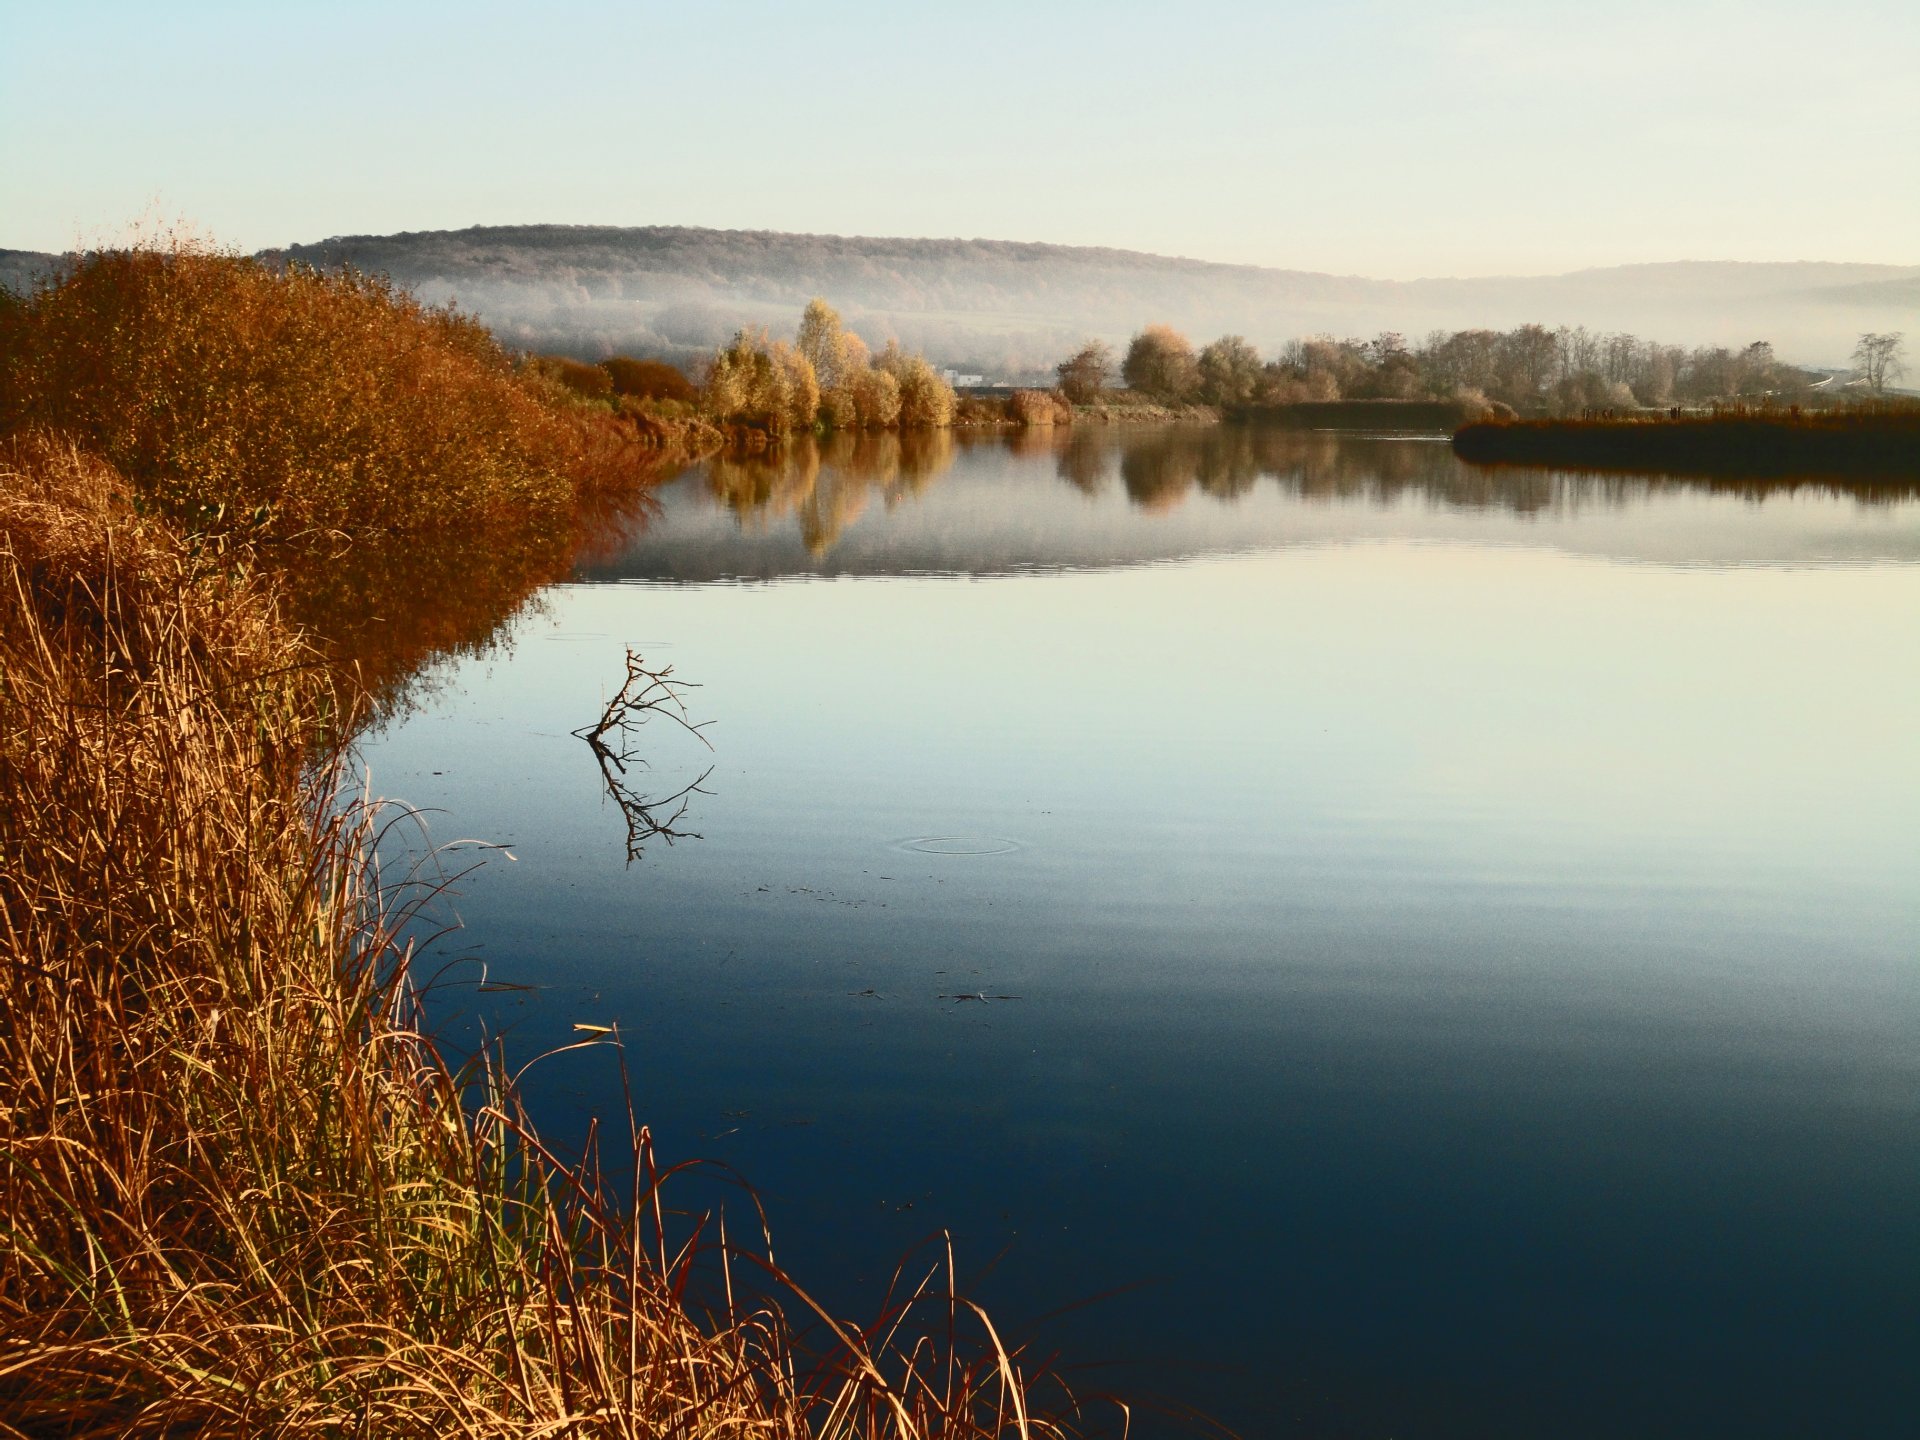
[1013, 308]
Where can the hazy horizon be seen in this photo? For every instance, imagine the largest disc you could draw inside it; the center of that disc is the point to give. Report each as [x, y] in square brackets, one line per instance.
[150, 222]
[1380, 139]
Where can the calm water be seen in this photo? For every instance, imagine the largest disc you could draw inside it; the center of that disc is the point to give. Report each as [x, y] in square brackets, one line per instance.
[1465, 928]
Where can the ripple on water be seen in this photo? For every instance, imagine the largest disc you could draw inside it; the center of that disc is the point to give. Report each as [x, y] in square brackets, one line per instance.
[958, 845]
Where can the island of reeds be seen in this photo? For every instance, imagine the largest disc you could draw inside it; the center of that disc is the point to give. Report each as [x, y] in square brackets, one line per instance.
[243, 1192]
[1870, 440]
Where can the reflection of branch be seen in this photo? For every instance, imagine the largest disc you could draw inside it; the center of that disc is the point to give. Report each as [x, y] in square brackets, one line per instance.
[645, 694]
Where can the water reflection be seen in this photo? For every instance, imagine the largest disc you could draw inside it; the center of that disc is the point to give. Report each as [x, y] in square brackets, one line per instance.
[652, 813]
[1486, 933]
[1097, 496]
[825, 485]
[381, 613]
[822, 487]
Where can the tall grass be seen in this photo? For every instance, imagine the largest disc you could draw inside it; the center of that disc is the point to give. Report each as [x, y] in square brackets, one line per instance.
[242, 1191]
[1876, 439]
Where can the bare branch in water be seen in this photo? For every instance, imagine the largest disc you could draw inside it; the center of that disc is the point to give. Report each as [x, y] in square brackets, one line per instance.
[645, 694]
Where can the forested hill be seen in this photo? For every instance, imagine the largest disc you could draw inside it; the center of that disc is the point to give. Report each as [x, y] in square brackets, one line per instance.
[1006, 309]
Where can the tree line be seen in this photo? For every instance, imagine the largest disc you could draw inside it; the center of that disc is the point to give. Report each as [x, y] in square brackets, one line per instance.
[1529, 367]
[824, 380]
[827, 379]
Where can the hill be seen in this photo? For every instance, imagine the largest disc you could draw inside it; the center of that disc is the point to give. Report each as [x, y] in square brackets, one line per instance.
[1007, 308]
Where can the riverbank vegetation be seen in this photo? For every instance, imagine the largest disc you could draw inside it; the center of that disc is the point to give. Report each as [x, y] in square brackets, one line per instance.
[826, 380]
[758, 391]
[1529, 369]
[1162, 470]
[1873, 439]
[242, 1192]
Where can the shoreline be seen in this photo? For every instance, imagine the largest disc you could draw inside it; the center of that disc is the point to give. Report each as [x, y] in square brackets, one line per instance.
[1855, 444]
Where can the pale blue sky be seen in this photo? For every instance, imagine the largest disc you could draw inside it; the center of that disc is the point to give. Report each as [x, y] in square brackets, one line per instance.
[1381, 138]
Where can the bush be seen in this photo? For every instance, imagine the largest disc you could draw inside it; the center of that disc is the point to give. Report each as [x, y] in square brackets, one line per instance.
[765, 385]
[925, 399]
[876, 399]
[234, 395]
[590, 382]
[649, 380]
[1083, 374]
[1032, 408]
[1160, 364]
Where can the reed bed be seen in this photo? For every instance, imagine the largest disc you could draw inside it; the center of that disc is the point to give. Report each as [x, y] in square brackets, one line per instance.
[1878, 439]
[242, 1190]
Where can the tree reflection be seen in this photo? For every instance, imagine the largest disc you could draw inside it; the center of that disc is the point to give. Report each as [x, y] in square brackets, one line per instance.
[380, 612]
[1159, 472]
[1085, 461]
[824, 486]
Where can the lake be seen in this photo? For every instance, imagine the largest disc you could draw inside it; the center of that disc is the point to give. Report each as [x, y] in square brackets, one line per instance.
[1443, 944]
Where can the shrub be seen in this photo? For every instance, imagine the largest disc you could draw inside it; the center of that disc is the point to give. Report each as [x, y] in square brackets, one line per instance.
[234, 395]
[1160, 363]
[1033, 408]
[925, 398]
[590, 382]
[767, 385]
[648, 380]
[1083, 374]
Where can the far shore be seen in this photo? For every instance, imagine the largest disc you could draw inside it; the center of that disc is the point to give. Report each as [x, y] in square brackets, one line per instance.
[1877, 441]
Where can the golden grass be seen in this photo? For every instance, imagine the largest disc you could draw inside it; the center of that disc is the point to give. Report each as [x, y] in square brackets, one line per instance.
[242, 1191]
[1877, 439]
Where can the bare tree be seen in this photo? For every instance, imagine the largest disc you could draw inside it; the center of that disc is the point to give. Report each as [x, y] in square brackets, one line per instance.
[1083, 374]
[1877, 359]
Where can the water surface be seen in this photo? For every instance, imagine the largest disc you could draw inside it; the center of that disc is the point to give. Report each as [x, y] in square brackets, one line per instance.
[1452, 937]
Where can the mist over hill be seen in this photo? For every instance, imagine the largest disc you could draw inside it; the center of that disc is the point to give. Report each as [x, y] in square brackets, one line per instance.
[1011, 310]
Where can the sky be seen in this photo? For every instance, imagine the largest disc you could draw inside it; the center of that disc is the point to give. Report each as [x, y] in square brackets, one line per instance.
[1371, 137]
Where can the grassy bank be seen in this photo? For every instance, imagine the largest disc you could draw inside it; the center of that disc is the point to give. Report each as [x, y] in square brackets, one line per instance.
[1872, 441]
[1127, 407]
[242, 1191]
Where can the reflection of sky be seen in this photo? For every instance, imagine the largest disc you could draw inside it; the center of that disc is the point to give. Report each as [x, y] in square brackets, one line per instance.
[1481, 975]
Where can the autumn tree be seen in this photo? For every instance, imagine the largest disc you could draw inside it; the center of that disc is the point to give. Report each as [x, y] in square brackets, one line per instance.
[824, 343]
[1083, 374]
[875, 398]
[769, 385]
[1227, 372]
[729, 378]
[925, 398]
[1160, 363]
[800, 384]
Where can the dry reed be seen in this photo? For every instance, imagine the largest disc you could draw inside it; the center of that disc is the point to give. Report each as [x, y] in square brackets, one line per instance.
[1873, 439]
[242, 1191]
